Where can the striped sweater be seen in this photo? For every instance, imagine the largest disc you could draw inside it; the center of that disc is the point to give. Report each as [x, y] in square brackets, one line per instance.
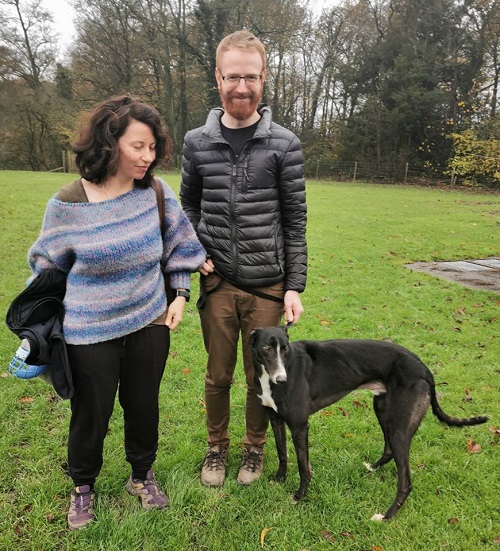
[111, 252]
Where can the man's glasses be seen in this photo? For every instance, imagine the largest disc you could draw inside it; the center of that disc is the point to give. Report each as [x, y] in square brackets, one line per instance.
[235, 79]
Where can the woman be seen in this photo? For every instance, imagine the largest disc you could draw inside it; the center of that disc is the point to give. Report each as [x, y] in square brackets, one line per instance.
[103, 231]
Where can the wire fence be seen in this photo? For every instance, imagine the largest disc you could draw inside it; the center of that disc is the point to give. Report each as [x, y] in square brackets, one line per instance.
[320, 169]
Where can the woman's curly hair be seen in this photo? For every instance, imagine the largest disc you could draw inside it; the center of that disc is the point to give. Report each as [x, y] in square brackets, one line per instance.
[97, 153]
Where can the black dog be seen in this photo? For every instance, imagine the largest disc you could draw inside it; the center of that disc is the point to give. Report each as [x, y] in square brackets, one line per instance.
[294, 380]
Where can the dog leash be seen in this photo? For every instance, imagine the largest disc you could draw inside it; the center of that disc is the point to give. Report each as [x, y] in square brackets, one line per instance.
[202, 301]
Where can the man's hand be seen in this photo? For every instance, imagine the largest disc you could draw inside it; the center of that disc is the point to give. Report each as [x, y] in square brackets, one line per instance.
[293, 307]
[208, 267]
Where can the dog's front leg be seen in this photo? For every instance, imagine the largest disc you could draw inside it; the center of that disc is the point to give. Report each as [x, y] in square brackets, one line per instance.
[300, 436]
[279, 430]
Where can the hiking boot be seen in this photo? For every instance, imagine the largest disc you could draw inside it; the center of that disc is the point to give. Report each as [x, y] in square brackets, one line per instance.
[81, 507]
[148, 492]
[213, 471]
[251, 465]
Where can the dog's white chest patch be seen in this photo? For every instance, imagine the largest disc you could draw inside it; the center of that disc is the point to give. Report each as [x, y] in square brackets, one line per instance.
[266, 397]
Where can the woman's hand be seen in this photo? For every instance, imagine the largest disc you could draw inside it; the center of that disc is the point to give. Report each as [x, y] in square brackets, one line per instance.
[175, 312]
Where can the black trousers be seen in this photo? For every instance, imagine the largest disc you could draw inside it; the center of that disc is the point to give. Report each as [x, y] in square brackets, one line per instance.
[133, 366]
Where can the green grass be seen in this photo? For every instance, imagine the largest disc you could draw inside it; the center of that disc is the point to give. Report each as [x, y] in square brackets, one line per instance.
[360, 237]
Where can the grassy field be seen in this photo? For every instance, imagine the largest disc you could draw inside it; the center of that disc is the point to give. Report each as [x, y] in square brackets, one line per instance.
[360, 237]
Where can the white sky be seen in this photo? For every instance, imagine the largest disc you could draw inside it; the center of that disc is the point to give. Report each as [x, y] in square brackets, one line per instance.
[64, 25]
[63, 20]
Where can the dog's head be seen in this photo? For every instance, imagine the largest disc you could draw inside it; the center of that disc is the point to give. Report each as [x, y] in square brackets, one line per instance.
[270, 351]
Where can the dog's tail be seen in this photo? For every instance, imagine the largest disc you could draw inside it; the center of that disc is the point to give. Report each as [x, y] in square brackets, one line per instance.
[453, 421]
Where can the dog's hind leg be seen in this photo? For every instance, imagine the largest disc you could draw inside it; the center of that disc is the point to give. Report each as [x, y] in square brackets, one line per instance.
[300, 437]
[380, 407]
[279, 431]
[407, 410]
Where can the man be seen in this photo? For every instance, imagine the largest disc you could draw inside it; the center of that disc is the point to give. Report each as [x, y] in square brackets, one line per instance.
[243, 190]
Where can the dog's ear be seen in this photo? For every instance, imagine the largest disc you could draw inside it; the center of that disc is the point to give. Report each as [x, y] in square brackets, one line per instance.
[285, 327]
[253, 335]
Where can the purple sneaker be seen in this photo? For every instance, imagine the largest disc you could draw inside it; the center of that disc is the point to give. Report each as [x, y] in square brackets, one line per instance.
[81, 508]
[148, 492]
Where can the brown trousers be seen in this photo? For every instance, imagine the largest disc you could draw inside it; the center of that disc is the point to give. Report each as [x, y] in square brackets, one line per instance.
[227, 313]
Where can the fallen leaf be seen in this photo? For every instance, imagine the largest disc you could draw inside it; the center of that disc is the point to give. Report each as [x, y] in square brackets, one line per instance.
[473, 447]
[344, 412]
[359, 404]
[26, 400]
[376, 548]
[328, 535]
[494, 431]
[263, 535]
[186, 371]
[326, 412]
[324, 322]
[453, 520]
[347, 534]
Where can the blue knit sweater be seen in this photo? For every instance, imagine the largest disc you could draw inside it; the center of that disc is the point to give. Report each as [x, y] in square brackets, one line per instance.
[112, 252]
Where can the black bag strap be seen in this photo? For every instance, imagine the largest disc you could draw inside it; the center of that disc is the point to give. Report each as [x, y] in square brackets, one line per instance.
[160, 203]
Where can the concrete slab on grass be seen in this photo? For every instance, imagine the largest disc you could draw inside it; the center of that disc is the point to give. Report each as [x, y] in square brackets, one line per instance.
[478, 274]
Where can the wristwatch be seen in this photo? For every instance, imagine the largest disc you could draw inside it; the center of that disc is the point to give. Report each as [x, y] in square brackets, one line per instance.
[183, 293]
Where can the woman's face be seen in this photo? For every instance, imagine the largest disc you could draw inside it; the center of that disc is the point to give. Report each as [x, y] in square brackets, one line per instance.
[137, 151]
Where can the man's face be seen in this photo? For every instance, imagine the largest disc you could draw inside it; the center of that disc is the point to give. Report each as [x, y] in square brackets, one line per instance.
[240, 99]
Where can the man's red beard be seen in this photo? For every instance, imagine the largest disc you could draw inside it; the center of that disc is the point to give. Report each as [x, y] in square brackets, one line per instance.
[240, 110]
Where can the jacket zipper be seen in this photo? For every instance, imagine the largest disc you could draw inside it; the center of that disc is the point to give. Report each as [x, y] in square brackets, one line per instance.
[245, 175]
[233, 221]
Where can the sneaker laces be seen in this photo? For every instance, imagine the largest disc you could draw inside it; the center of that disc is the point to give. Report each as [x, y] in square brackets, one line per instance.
[82, 501]
[148, 487]
[151, 486]
[252, 461]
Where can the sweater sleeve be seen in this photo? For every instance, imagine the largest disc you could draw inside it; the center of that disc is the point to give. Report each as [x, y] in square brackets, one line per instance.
[51, 249]
[182, 252]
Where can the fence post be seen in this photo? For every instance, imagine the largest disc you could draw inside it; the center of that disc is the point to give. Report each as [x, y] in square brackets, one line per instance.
[355, 170]
[406, 172]
[317, 169]
[452, 176]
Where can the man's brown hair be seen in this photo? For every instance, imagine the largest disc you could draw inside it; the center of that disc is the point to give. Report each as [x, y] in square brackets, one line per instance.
[243, 40]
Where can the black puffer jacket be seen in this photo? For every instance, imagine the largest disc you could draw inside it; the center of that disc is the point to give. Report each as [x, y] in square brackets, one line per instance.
[249, 212]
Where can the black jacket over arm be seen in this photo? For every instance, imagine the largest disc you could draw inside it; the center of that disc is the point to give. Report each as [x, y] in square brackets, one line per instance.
[36, 314]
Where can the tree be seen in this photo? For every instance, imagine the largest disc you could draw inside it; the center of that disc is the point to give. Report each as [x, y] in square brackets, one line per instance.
[31, 113]
[379, 81]
[27, 39]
